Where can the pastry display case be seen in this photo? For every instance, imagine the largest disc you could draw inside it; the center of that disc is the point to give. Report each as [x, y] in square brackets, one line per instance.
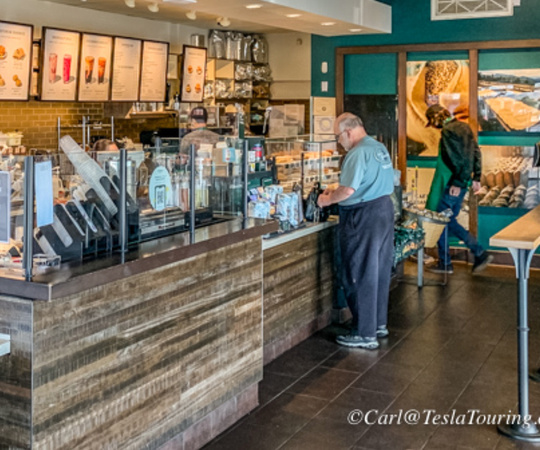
[303, 161]
[509, 177]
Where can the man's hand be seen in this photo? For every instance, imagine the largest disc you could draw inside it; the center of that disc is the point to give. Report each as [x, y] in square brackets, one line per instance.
[476, 186]
[454, 191]
[324, 199]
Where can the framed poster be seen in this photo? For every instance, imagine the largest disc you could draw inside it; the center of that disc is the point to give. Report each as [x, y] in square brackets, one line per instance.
[154, 71]
[509, 100]
[193, 71]
[95, 68]
[60, 60]
[126, 70]
[444, 82]
[15, 60]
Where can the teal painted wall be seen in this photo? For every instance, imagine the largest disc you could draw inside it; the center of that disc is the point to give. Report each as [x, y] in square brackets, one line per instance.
[412, 25]
[360, 78]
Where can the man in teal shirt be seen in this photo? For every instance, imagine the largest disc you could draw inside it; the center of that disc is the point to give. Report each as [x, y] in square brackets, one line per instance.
[366, 230]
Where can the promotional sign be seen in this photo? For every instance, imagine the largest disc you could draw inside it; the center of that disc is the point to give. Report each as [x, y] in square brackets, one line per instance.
[60, 60]
[193, 71]
[95, 68]
[160, 188]
[15, 60]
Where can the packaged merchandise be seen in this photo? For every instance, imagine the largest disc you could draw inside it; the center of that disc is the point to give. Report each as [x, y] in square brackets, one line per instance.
[259, 49]
[216, 44]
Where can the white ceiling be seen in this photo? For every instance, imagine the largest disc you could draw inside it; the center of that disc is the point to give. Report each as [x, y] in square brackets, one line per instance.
[370, 16]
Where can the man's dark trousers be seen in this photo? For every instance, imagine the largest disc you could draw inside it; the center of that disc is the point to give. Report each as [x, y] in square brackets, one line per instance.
[366, 237]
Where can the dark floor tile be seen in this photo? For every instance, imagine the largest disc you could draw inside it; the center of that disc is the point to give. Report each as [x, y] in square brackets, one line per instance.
[426, 397]
[297, 362]
[287, 413]
[448, 372]
[412, 352]
[489, 399]
[355, 399]
[247, 437]
[272, 385]
[395, 437]
[324, 434]
[353, 360]
[324, 383]
[507, 443]
[462, 349]
[391, 379]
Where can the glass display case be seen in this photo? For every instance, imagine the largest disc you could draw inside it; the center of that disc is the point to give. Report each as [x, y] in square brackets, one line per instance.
[85, 204]
[509, 178]
[299, 160]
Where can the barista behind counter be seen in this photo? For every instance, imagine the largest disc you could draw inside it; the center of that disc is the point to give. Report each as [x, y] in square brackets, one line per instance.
[201, 137]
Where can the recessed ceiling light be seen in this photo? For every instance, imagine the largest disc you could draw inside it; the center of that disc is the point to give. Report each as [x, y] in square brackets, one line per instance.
[130, 3]
[153, 7]
[292, 16]
[254, 6]
[355, 30]
[327, 24]
[191, 15]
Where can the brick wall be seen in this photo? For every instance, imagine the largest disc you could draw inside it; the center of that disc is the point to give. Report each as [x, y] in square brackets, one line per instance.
[37, 121]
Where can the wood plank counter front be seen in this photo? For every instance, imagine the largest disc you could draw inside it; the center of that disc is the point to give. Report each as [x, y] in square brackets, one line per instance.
[167, 355]
[298, 286]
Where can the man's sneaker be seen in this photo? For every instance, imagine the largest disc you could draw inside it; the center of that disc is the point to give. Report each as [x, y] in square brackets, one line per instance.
[440, 268]
[353, 340]
[382, 332]
[481, 262]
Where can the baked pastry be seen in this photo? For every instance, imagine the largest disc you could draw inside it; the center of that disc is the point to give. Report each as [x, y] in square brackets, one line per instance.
[19, 54]
[3, 53]
[2, 81]
[508, 178]
[499, 179]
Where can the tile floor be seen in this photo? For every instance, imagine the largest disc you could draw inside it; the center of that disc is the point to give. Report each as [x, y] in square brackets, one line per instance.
[451, 348]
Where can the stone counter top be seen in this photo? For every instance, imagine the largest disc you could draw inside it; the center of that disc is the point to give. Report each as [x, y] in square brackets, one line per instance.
[77, 277]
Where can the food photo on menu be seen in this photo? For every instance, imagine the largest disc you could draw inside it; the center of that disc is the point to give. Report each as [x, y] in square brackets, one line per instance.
[66, 69]
[89, 70]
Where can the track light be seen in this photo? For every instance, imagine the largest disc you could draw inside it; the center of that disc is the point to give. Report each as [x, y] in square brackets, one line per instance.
[130, 3]
[223, 22]
[153, 7]
[191, 15]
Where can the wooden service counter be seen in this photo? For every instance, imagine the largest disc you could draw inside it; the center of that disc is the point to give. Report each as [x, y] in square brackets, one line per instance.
[162, 351]
[299, 279]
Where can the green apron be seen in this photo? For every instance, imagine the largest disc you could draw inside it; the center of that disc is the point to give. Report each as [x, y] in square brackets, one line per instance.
[440, 181]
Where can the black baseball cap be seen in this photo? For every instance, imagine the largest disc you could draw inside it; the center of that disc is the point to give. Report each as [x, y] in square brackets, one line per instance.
[434, 111]
[199, 114]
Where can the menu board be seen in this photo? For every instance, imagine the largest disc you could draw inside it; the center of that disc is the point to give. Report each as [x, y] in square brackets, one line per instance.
[126, 70]
[60, 61]
[95, 68]
[193, 71]
[15, 60]
[154, 71]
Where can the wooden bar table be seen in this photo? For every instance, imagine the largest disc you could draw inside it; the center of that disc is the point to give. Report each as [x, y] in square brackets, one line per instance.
[522, 238]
